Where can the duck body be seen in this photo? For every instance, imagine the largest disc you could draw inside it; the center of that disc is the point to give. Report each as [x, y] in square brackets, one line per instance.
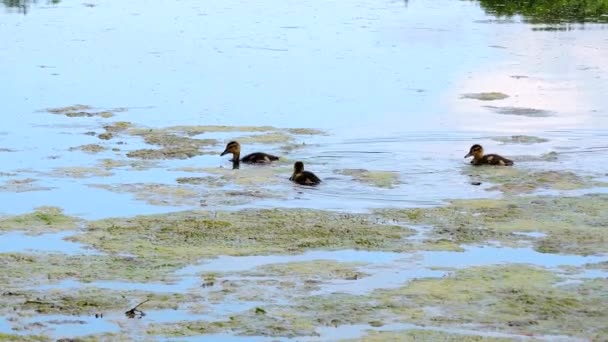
[303, 177]
[486, 159]
[258, 157]
[253, 158]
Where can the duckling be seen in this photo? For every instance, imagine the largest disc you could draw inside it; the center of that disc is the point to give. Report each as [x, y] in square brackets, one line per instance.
[303, 177]
[491, 159]
[253, 158]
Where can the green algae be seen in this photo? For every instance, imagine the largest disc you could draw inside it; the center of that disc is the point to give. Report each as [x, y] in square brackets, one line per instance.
[317, 270]
[209, 181]
[42, 220]
[156, 193]
[86, 301]
[80, 172]
[519, 300]
[572, 225]
[33, 269]
[265, 138]
[22, 185]
[380, 179]
[520, 139]
[182, 152]
[80, 111]
[189, 236]
[522, 181]
[23, 338]
[512, 298]
[521, 111]
[117, 126]
[420, 335]
[491, 96]
[89, 148]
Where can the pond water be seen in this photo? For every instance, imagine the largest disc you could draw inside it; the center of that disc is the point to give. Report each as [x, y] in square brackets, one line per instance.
[384, 79]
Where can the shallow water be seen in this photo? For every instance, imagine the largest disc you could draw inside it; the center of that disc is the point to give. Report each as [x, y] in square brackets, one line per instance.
[383, 79]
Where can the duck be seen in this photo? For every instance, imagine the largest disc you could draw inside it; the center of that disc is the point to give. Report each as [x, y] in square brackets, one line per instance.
[254, 158]
[479, 158]
[303, 177]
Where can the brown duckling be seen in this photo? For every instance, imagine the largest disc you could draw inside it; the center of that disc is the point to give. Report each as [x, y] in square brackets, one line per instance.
[303, 177]
[491, 159]
[253, 158]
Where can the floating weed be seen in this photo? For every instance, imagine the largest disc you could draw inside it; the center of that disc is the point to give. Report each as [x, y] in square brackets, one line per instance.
[22, 185]
[424, 336]
[90, 148]
[521, 181]
[42, 220]
[189, 236]
[520, 139]
[521, 111]
[80, 111]
[311, 270]
[156, 193]
[380, 179]
[492, 96]
[80, 172]
[571, 224]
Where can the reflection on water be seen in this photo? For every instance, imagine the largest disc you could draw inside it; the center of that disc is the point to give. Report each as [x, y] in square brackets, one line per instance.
[22, 6]
[550, 11]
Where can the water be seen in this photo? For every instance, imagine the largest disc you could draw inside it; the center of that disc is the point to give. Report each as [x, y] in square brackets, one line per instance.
[383, 78]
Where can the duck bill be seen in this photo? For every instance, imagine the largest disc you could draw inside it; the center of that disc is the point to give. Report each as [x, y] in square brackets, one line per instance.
[224, 153]
[468, 155]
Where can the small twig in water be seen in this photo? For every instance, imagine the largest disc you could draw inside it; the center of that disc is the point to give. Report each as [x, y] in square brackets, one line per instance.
[134, 312]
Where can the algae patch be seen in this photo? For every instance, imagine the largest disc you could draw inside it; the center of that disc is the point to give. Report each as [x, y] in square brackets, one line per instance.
[318, 270]
[491, 96]
[189, 236]
[80, 172]
[22, 185]
[520, 139]
[89, 148]
[521, 111]
[424, 336]
[522, 181]
[380, 179]
[156, 193]
[42, 220]
[80, 111]
[575, 225]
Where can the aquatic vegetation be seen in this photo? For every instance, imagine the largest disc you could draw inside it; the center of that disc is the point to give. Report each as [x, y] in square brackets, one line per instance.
[23, 270]
[426, 335]
[23, 338]
[521, 181]
[189, 236]
[22, 185]
[80, 111]
[520, 139]
[166, 153]
[492, 96]
[84, 301]
[571, 224]
[311, 270]
[89, 148]
[521, 111]
[380, 179]
[80, 172]
[548, 11]
[265, 138]
[157, 193]
[42, 220]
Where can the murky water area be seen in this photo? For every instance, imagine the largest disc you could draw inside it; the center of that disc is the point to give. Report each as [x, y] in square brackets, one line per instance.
[399, 90]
